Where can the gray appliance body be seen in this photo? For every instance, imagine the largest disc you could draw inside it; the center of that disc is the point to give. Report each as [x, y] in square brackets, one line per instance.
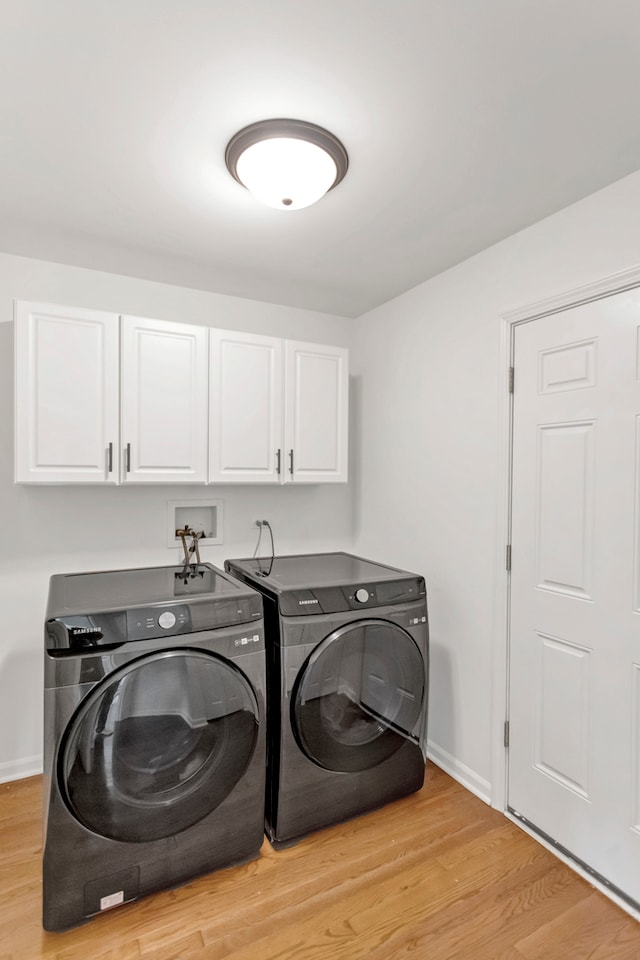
[154, 734]
[347, 679]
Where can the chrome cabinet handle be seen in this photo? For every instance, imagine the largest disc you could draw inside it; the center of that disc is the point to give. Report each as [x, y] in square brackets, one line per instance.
[291, 462]
[278, 452]
[110, 458]
[128, 458]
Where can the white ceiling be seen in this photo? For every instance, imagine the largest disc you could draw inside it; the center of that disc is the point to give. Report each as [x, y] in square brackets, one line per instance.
[464, 120]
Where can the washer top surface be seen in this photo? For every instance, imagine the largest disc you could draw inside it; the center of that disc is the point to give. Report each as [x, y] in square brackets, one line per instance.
[106, 590]
[316, 570]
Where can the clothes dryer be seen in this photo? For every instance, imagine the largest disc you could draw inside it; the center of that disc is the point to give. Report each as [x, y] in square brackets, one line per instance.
[154, 747]
[347, 677]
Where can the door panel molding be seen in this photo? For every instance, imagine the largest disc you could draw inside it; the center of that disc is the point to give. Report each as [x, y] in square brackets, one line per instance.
[562, 754]
[635, 801]
[572, 367]
[564, 508]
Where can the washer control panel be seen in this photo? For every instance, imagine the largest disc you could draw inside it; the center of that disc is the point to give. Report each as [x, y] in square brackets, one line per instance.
[113, 628]
[154, 622]
[68, 633]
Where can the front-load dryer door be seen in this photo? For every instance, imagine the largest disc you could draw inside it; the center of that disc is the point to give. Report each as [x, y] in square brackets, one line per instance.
[158, 745]
[359, 696]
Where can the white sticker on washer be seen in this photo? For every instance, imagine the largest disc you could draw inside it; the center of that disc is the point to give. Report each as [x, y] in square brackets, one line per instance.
[113, 900]
[243, 641]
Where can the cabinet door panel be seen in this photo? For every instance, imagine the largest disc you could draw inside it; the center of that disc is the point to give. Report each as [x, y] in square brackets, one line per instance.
[246, 407]
[164, 401]
[316, 413]
[66, 395]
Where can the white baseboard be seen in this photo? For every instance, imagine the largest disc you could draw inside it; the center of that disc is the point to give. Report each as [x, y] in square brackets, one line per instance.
[18, 769]
[460, 772]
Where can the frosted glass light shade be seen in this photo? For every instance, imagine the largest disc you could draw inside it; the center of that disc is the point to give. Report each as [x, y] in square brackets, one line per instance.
[286, 173]
[287, 164]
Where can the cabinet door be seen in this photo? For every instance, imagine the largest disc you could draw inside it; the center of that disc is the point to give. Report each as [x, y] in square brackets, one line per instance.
[66, 395]
[164, 402]
[245, 433]
[316, 413]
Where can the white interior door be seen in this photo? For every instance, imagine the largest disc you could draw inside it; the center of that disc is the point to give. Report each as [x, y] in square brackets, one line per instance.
[574, 754]
[245, 416]
[316, 413]
[164, 401]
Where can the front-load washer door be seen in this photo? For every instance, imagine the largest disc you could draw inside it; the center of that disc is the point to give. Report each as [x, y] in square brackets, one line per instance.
[158, 745]
[359, 696]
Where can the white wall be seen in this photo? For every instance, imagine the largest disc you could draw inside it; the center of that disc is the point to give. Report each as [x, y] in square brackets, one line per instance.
[428, 405]
[45, 530]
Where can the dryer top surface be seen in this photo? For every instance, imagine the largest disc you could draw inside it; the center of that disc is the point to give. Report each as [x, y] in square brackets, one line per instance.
[314, 570]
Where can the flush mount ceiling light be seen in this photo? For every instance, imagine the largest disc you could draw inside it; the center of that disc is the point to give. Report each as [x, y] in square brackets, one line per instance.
[287, 164]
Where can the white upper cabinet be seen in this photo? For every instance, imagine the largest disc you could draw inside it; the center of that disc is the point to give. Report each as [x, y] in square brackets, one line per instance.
[103, 398]
[245, 423]
[66, 395]
[316, 413]
[164, 402]
[279, 410]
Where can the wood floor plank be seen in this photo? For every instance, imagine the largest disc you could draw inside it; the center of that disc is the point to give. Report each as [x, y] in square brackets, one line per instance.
[288, 890]
[157, 947]
[369, 917]
[435, 875]
[489, 922]
[309, 890]
[457, 887]
[126, 951]
[336, 907]
[588, 931]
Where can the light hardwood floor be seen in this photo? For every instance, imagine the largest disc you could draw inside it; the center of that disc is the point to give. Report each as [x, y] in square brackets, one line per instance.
[436, 876]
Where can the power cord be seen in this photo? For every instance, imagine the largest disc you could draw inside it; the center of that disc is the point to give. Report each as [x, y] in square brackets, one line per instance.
[259, 525]
[261, 571]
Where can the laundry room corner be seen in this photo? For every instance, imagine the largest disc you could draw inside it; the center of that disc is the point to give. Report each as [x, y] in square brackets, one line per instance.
[49, 529]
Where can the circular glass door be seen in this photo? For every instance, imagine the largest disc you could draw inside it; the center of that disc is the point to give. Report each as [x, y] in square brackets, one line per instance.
[158, 745]
[359, 696]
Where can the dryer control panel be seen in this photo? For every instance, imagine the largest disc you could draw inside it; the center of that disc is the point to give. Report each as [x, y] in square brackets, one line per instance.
[298, 603]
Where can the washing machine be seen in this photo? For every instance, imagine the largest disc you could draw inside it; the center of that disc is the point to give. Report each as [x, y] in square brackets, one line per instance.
[347, 649]
[154, 739]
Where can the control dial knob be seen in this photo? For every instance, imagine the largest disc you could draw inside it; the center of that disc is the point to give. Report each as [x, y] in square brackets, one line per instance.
[166, 620]
[362, 595]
